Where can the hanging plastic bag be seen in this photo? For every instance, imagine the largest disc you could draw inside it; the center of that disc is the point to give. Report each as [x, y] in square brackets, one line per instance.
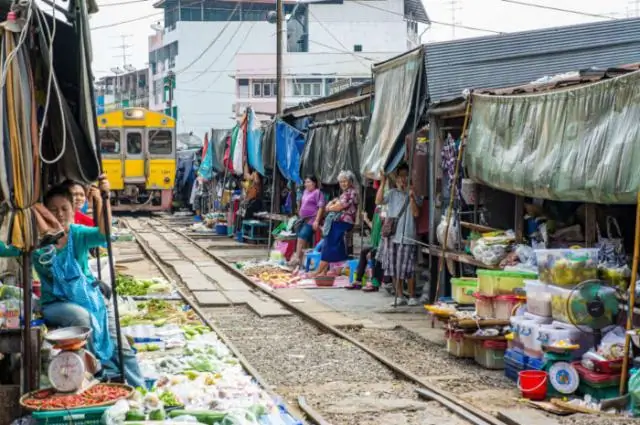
[489, 254]
[612, 253]
[454, 235]
[634, 393]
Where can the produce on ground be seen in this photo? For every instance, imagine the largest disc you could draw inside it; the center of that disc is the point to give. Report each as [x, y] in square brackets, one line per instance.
[130, 286]
[98, 394]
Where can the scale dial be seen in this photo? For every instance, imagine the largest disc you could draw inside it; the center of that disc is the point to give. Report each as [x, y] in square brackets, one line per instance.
[67, 371]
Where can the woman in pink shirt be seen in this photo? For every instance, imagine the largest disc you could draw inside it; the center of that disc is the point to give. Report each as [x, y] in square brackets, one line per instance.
[311, 212]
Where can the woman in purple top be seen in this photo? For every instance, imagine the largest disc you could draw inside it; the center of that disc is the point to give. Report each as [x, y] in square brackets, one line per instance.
[311, 211]
[341, 217]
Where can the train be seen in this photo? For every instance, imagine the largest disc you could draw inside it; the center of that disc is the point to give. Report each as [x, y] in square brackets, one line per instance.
[138, 149]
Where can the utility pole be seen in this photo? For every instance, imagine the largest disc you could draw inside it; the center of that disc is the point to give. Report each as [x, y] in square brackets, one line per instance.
[279, 53]
[455, 7]
[123, 47]
[169, 84]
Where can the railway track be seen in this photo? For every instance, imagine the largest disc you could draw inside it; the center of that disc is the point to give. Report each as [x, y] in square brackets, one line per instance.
[331, 375]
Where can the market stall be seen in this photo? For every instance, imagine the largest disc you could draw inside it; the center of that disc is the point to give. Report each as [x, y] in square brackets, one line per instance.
[551, 290]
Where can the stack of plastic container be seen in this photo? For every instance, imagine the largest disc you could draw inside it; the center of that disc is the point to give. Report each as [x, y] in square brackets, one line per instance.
[496, 299]
[560, 271]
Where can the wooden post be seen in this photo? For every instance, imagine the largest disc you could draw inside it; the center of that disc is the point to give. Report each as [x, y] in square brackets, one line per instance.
[632, 300]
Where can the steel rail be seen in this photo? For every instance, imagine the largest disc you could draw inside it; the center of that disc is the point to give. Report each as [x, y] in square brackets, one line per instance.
[449, 400]
[241, 358]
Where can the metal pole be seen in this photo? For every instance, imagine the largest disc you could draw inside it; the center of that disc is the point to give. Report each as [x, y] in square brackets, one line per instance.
[279, 53]
[26, 342]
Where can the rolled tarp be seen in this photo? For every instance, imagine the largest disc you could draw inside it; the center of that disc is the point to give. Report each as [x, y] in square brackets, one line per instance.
[580, 144]
[395, 85]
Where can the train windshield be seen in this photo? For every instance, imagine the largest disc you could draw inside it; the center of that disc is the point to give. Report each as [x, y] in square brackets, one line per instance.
[160, 142]
[109, 141]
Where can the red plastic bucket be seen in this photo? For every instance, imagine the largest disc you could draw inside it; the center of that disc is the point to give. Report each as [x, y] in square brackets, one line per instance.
[533, 384]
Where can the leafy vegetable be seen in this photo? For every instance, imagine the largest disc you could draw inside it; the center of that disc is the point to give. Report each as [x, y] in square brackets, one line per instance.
[169, 399]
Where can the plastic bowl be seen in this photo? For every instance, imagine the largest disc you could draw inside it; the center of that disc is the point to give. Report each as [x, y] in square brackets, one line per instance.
[325, 281]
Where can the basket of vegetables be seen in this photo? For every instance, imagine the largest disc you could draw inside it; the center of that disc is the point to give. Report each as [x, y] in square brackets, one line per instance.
[99, 395]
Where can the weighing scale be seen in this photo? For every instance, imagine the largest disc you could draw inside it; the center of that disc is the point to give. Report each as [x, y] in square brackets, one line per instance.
[563, 377]
[72, 369]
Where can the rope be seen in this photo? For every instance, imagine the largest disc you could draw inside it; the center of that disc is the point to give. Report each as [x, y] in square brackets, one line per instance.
[19, 154]
[454, 185]
[51, 83]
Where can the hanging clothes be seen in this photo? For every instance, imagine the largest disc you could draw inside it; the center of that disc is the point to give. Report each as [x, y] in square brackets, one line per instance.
[228, 154]
[448, 164]
[254, 143]
[238, 150]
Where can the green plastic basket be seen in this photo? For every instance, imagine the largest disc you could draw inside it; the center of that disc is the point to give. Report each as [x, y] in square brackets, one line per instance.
[86, 416]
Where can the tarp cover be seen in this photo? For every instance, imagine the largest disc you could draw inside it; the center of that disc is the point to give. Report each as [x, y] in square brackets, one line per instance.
[218, 143]
[580, 144]
[333, 146]
[289, 146]
[254, 143]
[395, 83]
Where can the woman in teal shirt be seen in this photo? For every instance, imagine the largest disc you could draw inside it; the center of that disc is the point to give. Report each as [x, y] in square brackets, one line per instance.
[70, 294]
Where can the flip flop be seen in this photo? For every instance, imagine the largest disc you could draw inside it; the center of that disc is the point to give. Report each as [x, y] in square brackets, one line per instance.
[370, 288]
[353, 287]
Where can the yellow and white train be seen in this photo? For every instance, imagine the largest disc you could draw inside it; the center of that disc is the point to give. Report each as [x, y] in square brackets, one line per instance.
[138, 149]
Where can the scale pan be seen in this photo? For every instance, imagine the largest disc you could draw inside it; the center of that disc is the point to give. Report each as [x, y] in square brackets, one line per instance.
[67, 336]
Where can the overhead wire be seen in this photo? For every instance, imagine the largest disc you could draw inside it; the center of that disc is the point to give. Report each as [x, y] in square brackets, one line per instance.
[559, 9]
[225, 48]
[215, 39]
[393, 12]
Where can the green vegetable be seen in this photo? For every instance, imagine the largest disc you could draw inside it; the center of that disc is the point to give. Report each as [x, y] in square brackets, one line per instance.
[258, 410]
[207, 417]
[127, 285]
[135, 415]
[191, 374]
[153, 347]
[169, 400]
[157, 415]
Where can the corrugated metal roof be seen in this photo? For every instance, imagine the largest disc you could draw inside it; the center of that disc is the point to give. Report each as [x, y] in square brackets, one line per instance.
[414, 10]
[325, 107]
[519, 58]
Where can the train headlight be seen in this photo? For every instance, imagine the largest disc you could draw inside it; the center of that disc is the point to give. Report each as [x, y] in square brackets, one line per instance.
[167, 180]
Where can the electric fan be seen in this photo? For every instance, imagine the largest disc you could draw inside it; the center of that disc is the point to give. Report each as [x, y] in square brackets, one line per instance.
[593, 304]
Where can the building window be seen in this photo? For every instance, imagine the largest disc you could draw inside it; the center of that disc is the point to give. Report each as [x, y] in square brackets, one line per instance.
[266, 90]
[243, 87]
[307, 88]
[357, 47]
[257, 89]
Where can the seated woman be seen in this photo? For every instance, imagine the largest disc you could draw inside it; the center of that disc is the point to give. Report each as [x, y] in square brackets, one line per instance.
[71, 296]
[80, 203]
[310, 213]
[341, 215]
[252, 186]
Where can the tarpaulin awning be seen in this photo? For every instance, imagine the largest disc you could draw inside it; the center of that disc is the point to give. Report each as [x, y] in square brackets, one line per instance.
[218, 143]
[580, 144]
[395, 84]
[333, 146]
[268, 137]
[254, 143]
[289, 146]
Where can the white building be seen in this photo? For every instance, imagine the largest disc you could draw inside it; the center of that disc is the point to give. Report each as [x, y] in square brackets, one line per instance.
[223, 52]
[125, 88]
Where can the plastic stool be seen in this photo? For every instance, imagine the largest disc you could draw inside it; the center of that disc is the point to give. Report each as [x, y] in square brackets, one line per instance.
[353, 268]
[312, 261]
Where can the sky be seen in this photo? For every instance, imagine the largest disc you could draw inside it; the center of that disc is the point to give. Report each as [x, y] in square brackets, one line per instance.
[129, 22]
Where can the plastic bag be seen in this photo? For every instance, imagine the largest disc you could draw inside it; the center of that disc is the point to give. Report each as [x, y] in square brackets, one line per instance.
[454, 235]
[612, 345]
[116, 414]
[526, 255]
[634, 393]
[489, 254]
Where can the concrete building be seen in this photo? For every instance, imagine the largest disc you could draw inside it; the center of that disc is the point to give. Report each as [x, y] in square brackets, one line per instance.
[126, 88]
[222, 52]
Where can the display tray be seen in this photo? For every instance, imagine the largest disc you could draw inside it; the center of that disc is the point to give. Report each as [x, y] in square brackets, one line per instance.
[38, 396]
